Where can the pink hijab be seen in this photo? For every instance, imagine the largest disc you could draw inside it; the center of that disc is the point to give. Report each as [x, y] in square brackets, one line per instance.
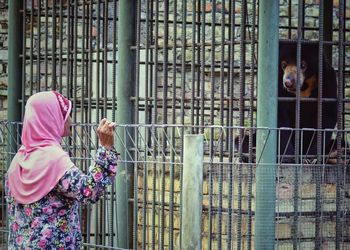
[40, 162]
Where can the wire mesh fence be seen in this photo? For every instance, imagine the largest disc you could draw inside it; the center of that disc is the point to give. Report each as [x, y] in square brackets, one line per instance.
[312, 200]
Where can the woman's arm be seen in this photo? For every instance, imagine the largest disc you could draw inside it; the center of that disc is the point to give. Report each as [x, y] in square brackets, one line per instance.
[91, 186]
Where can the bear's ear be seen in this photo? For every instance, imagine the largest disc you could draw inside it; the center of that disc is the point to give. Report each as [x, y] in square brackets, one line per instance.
[283, 65]
[303, 66]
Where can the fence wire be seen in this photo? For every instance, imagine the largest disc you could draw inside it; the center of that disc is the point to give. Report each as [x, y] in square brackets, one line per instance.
[313, 200]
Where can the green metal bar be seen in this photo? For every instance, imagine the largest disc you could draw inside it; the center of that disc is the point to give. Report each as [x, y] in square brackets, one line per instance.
[266, 117]
[125, 113]
[341, 169]
[14, 94]
[328, 29]
[192, 194]
[15, 42]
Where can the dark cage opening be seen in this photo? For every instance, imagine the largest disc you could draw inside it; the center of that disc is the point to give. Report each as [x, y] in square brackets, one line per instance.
[166, 68]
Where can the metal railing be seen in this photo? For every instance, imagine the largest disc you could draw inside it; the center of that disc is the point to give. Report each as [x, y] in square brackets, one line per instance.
[229, 186]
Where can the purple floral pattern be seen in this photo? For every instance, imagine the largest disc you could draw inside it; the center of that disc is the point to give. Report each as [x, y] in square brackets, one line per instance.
[53, 221]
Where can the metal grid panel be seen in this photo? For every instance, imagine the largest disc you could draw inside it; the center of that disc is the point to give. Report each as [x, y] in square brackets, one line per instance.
[228, 191]
[8, 132]
[310, 212]
[193, 60]
[71, 46]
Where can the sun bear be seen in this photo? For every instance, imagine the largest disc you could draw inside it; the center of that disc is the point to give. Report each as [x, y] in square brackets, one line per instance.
[309, 93]
[309, 83]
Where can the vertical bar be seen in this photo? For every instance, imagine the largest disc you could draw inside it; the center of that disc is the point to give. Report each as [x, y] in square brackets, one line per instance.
[100, 86]
[39, 50]
[241, 116]
[183, 83]
[136, 119]
[328, 29]
[105, 52]
[165, 118]
[69, 46]
[266, 117]
[75, 67]
[23, 60]
[89, 96]
[60, 62]
[15, 57]
[192, 196]
[89, 87]
[212, 118]
[54, 45]
[298, 138]
[98, 35]
[301, 17]
[230, 92]
[193, 60]
[31, 47]
[83, 66]
[114, 51]
[147, 60]
[251, 122]
[154, 78]
[183, 55]
[341, 169]
[156, 60]
[198, 21]
[46, 42]
[202, 61]
[318, 208]
[125, 91]
[84, 140]
[171, 198]
[289, 19]
[137, 60]
[144, 238]
[16, 71]
[145, 208]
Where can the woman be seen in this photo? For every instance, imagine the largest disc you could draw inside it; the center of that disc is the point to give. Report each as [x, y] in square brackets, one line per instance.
[43, 187]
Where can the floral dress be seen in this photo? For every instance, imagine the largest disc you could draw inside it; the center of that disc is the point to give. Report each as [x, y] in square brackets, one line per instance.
[53, 221]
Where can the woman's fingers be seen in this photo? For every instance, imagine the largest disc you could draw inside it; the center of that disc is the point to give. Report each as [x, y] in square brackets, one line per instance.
[105, 131]
[103, 121]
[111, 125]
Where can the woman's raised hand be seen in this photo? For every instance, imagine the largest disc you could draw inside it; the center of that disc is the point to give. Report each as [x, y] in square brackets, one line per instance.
[105, 133]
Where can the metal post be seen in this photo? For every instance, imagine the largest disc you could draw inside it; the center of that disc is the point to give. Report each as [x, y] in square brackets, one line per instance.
[266, 117]
[15, 41]
[125, 113]
[192, 196]
[328, 29]
[14, 94]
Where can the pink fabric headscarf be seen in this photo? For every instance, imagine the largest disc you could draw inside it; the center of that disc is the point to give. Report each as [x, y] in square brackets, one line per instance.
[40, 162]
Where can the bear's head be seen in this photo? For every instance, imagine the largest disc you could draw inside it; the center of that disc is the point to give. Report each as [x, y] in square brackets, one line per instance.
[308, 71]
